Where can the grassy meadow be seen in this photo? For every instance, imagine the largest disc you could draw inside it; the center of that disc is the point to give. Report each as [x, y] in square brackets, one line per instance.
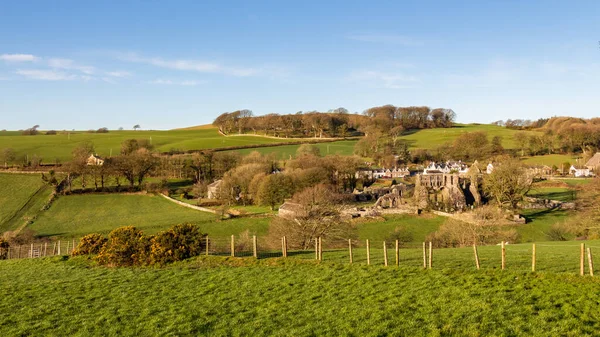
[21, 198]
[239, 297]
[432, 138]
[76, 215]
[58, 147]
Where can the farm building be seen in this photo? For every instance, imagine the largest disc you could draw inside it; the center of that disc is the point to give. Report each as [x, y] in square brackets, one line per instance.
[94, 160]
[291, 210]
[214, 189]
[579, 171]
[594, 163]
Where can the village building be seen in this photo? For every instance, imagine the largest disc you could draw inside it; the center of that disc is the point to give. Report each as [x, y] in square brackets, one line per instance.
[579, 171]
[214, 189]
[291, 210]
[541, 170]
[94, 160]
[594, 163]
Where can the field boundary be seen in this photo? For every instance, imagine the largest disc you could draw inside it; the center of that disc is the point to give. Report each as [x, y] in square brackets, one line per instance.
[181, 203]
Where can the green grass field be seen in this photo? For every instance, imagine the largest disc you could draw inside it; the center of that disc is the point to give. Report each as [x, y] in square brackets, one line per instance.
[59, 147]
[21, 197]
[277, 297]
[342, 147]
[432, 138]
[551, 159]
[77, 215]
[418, 227]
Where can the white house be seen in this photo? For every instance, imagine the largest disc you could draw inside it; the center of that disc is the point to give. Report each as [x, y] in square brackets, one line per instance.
[94, 160]
[579, 171]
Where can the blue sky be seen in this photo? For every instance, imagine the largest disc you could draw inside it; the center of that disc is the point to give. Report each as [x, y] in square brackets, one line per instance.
[84, 64]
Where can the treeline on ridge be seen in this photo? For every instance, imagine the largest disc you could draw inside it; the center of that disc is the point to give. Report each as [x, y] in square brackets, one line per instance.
[335, 123]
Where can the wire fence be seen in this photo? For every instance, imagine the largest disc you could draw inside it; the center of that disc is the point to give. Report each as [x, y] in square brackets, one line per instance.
[563, 257]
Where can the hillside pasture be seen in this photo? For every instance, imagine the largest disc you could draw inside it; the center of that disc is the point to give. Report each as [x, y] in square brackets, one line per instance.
[74, 216]
[21, 197]
[432, 138]
[238, 297]
[58, 148]
[342, 147]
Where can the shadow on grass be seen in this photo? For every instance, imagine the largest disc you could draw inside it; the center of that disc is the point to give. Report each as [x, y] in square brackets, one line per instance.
[566, 196]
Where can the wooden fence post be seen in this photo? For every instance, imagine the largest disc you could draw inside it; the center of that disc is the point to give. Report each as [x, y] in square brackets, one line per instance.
[320, 249]
[430, 254]
[503, 256]
[590, 261]
[582, 260]
[284, 246]
[316, 248]
[350, 249]
[58, 247]
[54, 249]
[385, 259]
[368, 253]
[67, 248]
[232, 246]
[73, 247]
[254, 244]
[533, 258]
[207, 245]
[31, 251]
[476, 256]
[424, 256]
[45, 248]
[397, 253]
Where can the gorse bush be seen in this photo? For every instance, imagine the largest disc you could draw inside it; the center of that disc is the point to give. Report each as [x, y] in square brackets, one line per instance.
[90, 244]
[178, 243]
[126, 246]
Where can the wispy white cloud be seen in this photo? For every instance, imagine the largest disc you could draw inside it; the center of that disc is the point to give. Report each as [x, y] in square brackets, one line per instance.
[51, 75]
[188, 83]
[119, 74]
[386, 39]
[67, 64]
[18, 57]
[390, 80]
[191, 65]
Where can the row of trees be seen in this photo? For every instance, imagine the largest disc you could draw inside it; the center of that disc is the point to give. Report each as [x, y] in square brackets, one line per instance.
[337, 122]
[133, 165]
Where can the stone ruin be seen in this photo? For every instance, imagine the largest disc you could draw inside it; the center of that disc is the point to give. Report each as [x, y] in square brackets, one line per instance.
[446, 191]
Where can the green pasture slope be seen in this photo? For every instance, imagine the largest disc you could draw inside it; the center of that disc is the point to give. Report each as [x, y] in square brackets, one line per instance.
[432, 138]
[59, 147]
[288, 297]
[342, 147]
[74, 216]
[21, 196]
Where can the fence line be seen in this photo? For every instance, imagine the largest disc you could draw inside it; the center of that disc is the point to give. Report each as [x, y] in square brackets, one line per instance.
[488, 257]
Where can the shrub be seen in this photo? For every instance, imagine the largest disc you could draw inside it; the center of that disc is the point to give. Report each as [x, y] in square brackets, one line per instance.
[401, 234]
[90, 244]
[4, 245]
[126, 246]
[178, 243]
[51, 132]
[558, 232]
